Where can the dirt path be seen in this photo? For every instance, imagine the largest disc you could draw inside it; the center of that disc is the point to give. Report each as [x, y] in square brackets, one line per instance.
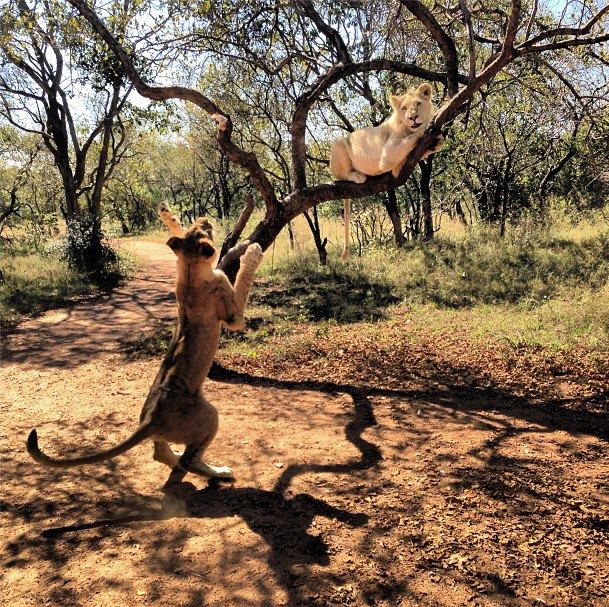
[345, 496]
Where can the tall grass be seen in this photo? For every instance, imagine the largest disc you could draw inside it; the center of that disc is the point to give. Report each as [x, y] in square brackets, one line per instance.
[544, 285]
[479, 269]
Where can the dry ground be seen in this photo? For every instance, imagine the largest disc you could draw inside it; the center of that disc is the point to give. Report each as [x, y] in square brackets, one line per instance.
[427, 482]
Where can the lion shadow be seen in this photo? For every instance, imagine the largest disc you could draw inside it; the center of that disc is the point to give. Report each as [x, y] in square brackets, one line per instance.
[281, 522]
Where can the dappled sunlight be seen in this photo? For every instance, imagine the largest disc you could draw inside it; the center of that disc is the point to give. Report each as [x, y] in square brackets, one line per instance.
[432, 485]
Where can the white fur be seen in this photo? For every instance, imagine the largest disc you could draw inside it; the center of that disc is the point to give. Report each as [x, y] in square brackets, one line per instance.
[379, 149]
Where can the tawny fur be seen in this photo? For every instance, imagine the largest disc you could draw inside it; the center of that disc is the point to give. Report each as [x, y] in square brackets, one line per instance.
[377, 150]
[176, 411]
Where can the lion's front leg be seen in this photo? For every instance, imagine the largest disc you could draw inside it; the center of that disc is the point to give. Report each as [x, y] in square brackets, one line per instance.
[436, 147]
[250, 261]
[234, 299]
[395, 152]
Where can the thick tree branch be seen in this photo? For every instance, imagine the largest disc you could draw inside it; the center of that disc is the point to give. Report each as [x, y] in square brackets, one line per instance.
[444, 41]
[512, 27]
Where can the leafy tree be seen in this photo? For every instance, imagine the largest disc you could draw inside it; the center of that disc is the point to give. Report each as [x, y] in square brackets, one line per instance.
[324, 63]
[59, 84]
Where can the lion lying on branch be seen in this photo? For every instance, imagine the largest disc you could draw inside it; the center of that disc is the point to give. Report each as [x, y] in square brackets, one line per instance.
[376, 150]
[176, 410]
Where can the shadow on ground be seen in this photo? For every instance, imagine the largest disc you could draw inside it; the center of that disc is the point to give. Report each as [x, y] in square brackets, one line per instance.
[300, 557]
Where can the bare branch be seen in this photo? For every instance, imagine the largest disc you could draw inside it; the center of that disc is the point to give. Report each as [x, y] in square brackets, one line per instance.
[567, 31]
[333, 37]
[532, 18]
[233, 236]
[246, 160]
[467, 19]
[444, 41]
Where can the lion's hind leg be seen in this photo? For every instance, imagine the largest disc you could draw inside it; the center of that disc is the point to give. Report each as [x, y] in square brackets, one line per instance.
[163, 453]
[340, 162]
[191, 462]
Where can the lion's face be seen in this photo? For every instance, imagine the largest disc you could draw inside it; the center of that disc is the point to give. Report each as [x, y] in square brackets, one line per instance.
[413, 109]
[197, 244]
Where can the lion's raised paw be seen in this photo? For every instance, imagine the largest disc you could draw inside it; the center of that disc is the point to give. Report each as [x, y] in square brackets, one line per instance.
[253, 255]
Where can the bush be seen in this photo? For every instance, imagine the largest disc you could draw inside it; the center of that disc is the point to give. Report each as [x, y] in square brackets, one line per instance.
[483, 269]
[338, 291]
[89, 254]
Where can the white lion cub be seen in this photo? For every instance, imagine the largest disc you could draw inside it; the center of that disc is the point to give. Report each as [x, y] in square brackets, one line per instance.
[379, 149]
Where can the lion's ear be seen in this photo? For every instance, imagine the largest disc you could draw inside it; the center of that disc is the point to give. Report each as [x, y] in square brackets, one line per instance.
[425, 90]
[206, 248]
[175, 244]
[395, 101]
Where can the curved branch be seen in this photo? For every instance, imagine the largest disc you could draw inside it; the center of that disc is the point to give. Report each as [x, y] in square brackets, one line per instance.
[554, 46]
[568, 31]
[247, 160]
[332, 36]
[444, 41]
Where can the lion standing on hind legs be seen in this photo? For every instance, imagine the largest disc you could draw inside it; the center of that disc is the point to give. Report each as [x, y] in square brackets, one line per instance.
[373, 151]
[176, 411]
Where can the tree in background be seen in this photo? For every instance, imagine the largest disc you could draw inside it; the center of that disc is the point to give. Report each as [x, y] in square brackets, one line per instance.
[309, 49]
[60, 85]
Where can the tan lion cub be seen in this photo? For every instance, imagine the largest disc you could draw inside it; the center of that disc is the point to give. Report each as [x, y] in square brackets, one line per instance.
[176, 410]
[379, 149]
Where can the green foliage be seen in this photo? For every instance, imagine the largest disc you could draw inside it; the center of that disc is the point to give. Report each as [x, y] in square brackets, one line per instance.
[90, 255]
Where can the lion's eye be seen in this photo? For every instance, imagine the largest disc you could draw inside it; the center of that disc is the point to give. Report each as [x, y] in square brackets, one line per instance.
[418, 103]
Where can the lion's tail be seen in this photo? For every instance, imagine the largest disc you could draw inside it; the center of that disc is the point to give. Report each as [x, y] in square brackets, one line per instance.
[143, 432]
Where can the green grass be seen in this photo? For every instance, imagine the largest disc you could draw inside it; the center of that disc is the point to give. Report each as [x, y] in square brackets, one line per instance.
[533, 288]
[541, 286]
[301, 289]
[482, 269]
[33, 283]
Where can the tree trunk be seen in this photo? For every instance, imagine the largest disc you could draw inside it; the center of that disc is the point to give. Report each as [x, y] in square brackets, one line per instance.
[428, 230]
[291, 236]
[320, 244]
[459, 212]
[391, 205]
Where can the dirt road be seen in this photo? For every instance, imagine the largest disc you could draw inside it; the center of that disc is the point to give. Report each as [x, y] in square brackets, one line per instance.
[345, 495]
